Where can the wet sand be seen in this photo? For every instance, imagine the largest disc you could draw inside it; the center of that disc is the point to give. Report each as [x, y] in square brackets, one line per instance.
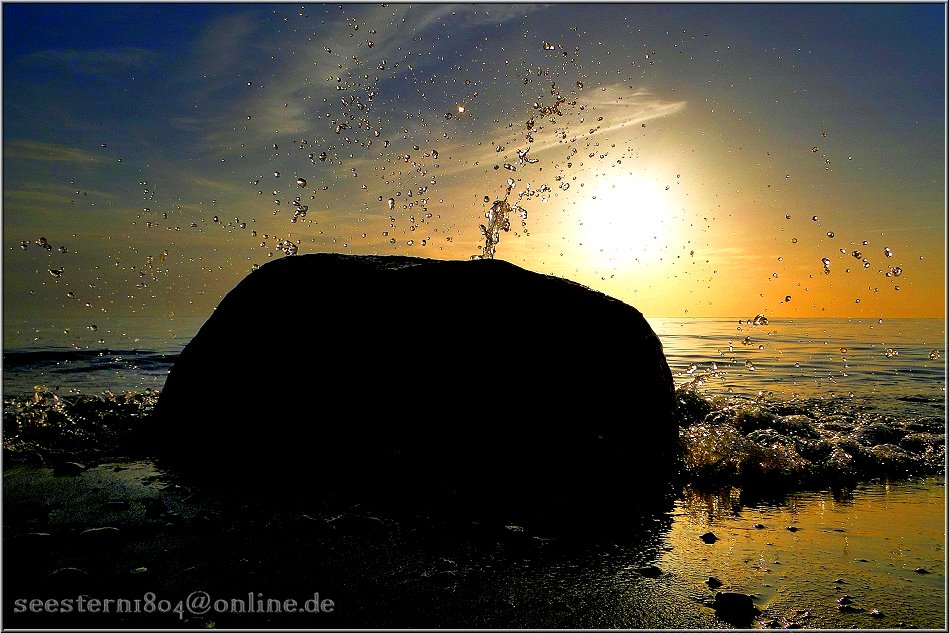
[123, 530]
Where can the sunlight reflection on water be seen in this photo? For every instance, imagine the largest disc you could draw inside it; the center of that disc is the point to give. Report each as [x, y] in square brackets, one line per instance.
[867, 545]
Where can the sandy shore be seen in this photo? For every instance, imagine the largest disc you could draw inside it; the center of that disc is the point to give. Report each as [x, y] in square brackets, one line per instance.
[123, 530]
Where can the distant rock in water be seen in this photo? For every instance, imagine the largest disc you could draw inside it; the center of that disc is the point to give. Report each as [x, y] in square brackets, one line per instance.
[415, 377]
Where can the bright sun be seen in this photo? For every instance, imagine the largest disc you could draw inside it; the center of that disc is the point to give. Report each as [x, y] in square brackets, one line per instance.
[626, 219]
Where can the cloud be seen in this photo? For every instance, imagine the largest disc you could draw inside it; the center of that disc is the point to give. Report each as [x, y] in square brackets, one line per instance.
[101, 63]
[220, 187]
[38, 150]
[33, 197]
[305, 77]
[619, 106]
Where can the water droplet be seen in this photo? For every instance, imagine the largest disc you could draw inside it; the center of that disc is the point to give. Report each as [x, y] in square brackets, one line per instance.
[579, 85]
[750, 365]
[933, 355]
[93, 328]
[787, 299]
[301, 182]
[276, 174]
[830, 233]
[814, 218]
[57, 272]
[888, 252]
[391, 203]
[889, 352]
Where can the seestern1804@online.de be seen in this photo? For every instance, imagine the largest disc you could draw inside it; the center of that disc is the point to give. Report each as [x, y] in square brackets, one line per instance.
[197, 603]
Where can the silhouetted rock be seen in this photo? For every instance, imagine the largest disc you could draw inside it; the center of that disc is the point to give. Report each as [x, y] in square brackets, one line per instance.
[405, 376]
[735, 608]
[709, 537]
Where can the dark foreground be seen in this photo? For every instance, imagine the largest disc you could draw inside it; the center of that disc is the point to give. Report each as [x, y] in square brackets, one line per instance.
[122, 530]
[166, 556]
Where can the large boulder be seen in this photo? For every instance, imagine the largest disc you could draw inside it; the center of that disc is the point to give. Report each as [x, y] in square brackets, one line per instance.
[418, 378]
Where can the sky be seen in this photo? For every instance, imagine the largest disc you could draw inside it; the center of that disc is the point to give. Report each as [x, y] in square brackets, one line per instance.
[691, 160]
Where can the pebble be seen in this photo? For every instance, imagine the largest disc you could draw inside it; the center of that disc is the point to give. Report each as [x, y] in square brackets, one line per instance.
[758, 526]
[736, 608]
[709, 537]
[650, 571]
[68, 469]
[876, 613]
[68, 573]
[922, 570]
[791, 528]
[713, 582]
[99, 533]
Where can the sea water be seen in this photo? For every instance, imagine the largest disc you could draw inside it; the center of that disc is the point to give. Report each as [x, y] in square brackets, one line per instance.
[867, 389]
[887, 362]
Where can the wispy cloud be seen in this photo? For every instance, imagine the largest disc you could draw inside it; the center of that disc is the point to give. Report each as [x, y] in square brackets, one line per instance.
[99, 63]
[27, 196]
[38, 150]
[617, 105]
[218, 186]
[314, 65]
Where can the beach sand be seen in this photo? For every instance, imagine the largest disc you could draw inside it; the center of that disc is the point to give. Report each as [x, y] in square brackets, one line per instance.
[123, 529]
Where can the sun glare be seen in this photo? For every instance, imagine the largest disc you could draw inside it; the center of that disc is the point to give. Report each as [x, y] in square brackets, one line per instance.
[626, 219]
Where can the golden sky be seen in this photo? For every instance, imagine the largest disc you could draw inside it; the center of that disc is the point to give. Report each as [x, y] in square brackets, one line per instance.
[691, 160]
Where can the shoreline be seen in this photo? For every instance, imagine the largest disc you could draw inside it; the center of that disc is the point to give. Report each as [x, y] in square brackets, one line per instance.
[126, 529]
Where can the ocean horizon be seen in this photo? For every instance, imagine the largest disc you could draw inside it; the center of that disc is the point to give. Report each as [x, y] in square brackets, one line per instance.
[801, 357]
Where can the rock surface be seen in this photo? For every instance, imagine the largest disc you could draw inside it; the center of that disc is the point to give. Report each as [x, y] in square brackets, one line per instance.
[402, 375]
